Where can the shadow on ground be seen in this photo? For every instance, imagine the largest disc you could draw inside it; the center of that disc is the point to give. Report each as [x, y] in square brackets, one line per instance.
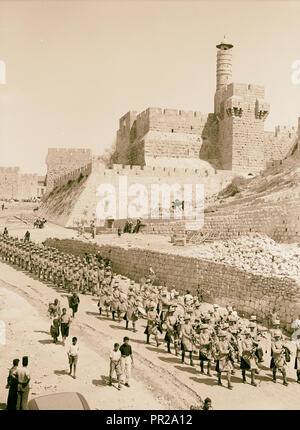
[61, 372]
[101, 382]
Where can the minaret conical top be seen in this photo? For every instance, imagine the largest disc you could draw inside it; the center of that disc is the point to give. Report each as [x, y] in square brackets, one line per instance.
[224, 44]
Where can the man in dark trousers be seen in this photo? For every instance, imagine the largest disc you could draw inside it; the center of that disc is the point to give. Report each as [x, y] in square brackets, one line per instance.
[12, 384]
[126, 360]
[74, 302]
[23, 385]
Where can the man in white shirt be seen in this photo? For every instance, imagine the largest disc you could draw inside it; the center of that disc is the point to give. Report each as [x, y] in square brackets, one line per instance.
[115, 364]
[73, 356]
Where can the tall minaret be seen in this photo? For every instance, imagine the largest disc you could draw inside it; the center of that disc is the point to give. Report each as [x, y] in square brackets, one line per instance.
[224, 71]
[224, 64]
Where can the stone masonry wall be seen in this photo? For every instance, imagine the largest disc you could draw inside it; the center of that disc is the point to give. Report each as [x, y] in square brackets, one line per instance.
[163, 133]
[125, 137]
[281, 222]
[228, 285]
[279, 144]
[87, 202]
[9, 182]
[27, 186]
[241, 132]
[16, 185]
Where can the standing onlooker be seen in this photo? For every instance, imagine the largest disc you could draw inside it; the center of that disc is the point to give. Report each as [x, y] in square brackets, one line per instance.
[126, 360]
[23, 385]
[115, 364]
[297, 358]
[54, 328]
[65, 321]
[12, 384]
[207, 405]
[73, 356]
[74, 302]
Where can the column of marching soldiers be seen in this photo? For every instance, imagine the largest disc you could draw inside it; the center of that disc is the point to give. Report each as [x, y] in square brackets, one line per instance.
[221, 337]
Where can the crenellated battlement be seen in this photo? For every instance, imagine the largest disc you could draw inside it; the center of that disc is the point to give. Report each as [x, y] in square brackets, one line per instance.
[73, 175]
[242, 89]
[64, 161]
[121, 169]
[69, 150]
[170, 112]
[286, 130]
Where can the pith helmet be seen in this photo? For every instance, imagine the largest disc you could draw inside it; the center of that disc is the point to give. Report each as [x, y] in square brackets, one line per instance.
[222, 333]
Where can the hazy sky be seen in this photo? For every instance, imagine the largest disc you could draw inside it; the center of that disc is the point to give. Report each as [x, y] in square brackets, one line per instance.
[75, 67]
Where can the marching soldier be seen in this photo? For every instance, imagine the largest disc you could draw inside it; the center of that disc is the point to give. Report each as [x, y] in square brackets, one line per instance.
[278, 360]
[223, 350]
[205, 348]
[186, 335]
[248, 357]
[275, 329]
[115, 300]
[107, 301]
[152, 323]
[297, 358]
[131, 312]
[172, 328]
[73, 303]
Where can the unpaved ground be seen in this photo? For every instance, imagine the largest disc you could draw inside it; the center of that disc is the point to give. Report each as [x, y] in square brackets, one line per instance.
[159, 379]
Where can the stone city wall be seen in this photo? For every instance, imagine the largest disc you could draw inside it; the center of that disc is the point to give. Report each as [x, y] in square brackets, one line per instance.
[161, 132]
[9, 182]
[61, 161]
[280, 143]
[19, 186]
[86, 203]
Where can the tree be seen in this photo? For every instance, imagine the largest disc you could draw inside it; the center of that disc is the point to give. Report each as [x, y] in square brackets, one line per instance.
[109, 156]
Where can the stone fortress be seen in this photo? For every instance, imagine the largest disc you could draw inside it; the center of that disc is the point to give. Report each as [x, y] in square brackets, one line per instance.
[167, 146]
[177, 147]
[232, 138]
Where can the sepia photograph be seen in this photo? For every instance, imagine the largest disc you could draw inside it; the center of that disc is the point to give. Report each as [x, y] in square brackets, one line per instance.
[149, 208]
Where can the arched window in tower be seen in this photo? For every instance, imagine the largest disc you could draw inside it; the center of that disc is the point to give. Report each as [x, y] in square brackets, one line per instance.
[172, 130]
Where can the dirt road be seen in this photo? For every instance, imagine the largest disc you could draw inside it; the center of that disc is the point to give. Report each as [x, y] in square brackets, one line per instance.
[159, 380]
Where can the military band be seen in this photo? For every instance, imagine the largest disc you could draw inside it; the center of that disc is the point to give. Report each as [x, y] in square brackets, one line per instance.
[220, 339]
